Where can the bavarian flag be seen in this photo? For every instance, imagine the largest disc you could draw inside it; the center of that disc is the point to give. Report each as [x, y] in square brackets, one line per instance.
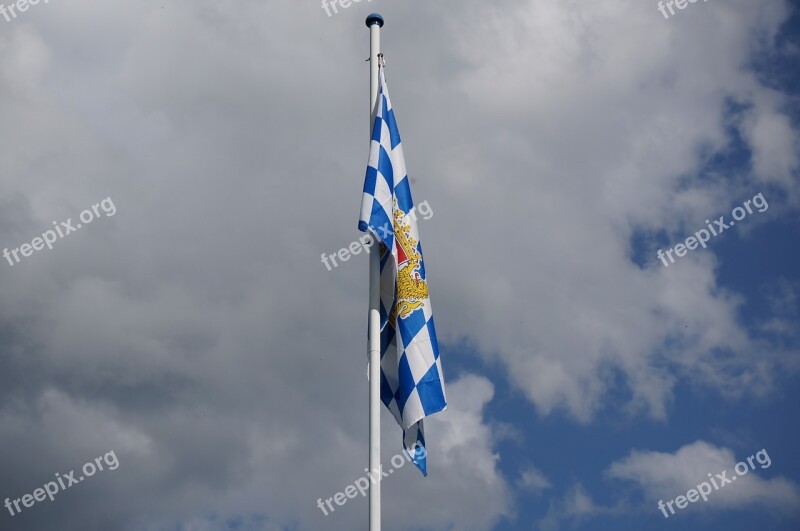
[412, 383]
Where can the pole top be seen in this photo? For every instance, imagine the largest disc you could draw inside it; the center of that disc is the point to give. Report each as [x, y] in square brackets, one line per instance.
[375, 18]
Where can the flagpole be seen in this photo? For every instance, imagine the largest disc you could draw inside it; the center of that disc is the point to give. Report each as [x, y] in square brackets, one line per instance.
[374, 23]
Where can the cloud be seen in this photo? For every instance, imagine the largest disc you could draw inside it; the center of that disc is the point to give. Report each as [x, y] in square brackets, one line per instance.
[532, 479]
[782, 297]
[592, 140]
[464, 480]
[664, 476]
[576, 506]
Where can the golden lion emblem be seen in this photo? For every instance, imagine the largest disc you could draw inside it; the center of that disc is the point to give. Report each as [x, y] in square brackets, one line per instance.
[412, 290]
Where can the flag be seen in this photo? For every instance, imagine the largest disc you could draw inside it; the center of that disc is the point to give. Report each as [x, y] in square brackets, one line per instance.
[412, 384]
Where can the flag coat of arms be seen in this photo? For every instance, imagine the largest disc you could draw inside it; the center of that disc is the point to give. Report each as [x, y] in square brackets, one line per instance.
[412, 383]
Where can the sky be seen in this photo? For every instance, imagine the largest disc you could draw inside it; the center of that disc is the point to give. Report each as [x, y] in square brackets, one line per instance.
[190, 161]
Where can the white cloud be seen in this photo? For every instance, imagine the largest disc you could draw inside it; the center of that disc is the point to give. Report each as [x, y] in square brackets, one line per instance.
[574, 507]
[534, 480]
[774, 141]
[602, 118]
[464, 489]
[664, 476]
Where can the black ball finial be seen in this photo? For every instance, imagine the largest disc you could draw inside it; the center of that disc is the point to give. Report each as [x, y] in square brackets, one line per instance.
[375, 18]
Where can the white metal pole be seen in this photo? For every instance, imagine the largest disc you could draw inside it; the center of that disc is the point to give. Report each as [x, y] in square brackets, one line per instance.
[374, 23]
